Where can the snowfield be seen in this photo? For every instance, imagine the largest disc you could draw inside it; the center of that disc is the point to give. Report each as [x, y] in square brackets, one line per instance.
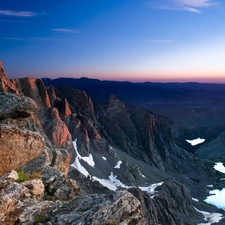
[217, 198]
[117, 166]
[196, 141]
[219, 167]
[210, 218]
[113, 183]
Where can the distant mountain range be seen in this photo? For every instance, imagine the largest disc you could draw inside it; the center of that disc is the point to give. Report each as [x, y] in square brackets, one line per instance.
[188, 104]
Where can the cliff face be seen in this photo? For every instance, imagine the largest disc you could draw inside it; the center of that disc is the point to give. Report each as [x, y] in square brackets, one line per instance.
[5, 84]
[138, 132]
[18, 146]
[47, 114]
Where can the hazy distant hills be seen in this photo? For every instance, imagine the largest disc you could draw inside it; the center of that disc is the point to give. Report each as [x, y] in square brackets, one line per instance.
[189, 104]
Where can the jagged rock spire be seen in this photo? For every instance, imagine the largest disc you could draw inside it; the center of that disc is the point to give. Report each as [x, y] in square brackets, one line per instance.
[5, 84]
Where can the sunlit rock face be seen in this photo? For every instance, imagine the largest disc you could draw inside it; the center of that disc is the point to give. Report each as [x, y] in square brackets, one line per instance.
[47, 114]
[5, 84]
[18, 146]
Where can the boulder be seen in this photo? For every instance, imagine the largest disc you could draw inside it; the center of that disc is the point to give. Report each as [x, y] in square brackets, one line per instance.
[10, 203]
[36, 188]
[61, 160]
[57, 186]
[18, 147]
[67, 190]
[8, 178]
[16, 106]
[35, 213]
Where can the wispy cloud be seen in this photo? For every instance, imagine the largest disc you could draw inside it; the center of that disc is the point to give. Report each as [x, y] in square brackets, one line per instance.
[190, 9]
[17, 13]
[194, 6]
[45, 39]
[158, 40]
[12, 21]
[64, 30]
[30, 39]
[14, 39]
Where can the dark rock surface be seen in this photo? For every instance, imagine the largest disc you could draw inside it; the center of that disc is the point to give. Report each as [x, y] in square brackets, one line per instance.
[172, 204]
[15, 106]
[214, 150]
[120, 207]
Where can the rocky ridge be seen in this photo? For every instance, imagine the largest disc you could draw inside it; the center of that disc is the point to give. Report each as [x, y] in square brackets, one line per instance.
[64, 194]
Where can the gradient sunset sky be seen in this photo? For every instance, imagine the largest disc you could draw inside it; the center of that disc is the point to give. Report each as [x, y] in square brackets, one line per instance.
[135, 40]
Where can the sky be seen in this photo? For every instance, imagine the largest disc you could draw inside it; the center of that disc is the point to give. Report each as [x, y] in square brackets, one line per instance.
[134, 40]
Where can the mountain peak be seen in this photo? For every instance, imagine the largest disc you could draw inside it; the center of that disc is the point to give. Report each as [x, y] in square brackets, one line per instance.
[113, 97]
[5, 83]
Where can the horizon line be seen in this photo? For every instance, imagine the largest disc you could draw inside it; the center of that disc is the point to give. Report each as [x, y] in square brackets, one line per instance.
[141, 81]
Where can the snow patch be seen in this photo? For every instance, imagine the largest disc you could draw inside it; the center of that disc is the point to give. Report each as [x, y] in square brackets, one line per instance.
[196, 141]
[104, 158]
[210, 185]
[217, 198]
[143, 175]
[89, 160]
[195, 199]
[219, 167]
[117, 166]
[76, 164]
[151, 189]
[112, 183]
[210, 217]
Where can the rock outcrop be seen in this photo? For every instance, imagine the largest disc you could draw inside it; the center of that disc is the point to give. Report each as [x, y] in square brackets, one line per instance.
[118, 208]
[172, 205]
[18, 146]
[15, 197]
[5, 84]
[47, 114]
[139, 133]
[15, 106]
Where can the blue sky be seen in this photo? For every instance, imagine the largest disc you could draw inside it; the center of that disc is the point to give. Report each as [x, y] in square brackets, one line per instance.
[136, 40]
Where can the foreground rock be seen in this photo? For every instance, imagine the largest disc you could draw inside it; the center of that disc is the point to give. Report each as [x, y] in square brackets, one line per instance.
[118, 208]
[170, 205]
[15, 197]
[18, 147]
[15, 106]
